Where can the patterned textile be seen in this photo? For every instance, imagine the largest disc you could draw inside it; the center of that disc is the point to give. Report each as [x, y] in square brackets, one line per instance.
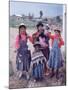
[37, 65]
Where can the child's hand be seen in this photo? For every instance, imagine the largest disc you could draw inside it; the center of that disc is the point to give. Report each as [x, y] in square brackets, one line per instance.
[15, 51]
[59, 38]
[19, 61]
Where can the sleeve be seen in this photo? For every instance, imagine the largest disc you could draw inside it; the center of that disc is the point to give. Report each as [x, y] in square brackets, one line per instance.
[51, 36]
[17, 42]
[30, 38]
[33, 37]
[61, 42]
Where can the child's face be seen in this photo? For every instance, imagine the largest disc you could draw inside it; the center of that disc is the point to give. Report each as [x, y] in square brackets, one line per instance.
[57, 33]
[36, 48]
[22, 30]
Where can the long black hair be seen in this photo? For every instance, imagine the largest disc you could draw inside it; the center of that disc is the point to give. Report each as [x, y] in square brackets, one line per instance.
[19, 30]
[39, 24]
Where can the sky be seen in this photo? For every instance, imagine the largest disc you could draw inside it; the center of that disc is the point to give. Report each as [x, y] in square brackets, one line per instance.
[50, 10]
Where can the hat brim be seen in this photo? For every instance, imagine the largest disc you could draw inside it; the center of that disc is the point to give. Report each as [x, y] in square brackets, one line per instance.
[57, 30]
[37, 45]
[22, 26]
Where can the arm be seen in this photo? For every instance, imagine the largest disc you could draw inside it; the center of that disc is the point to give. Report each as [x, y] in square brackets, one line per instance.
[30, 38]
[17, 42]
[61, 42]
[51, 36]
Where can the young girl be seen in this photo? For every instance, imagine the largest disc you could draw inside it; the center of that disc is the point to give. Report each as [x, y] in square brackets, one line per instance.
[55, 58]
[37, 63]
[23, 57]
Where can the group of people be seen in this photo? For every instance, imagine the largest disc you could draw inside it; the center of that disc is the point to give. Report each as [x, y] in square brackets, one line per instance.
[43, 61]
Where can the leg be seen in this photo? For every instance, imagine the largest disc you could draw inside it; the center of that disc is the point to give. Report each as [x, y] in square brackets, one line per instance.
[57, 74]
[52, 74]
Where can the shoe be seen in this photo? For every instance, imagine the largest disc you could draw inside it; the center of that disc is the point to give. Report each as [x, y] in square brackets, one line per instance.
[47, 73]
[57, 77]
[34, 80]
[52, 75]
[20, 75]
[27, 76]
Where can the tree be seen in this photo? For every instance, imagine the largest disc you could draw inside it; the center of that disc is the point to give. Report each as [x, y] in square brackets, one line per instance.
[41, 14]
[58, 18]
[23, 16]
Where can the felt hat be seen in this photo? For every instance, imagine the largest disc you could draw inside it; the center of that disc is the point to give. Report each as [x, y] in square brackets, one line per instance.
[22, 25]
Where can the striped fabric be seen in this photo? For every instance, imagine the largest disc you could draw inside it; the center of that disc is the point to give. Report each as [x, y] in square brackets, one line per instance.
[37, 65]
[36, 57]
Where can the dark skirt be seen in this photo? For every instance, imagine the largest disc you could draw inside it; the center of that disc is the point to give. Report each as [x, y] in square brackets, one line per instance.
[46, 52]
[23, 60]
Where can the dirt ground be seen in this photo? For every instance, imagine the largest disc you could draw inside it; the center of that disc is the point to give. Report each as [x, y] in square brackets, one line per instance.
[14, 82]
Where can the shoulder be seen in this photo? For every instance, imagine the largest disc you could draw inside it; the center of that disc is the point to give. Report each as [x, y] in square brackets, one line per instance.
[17, 37]
[35, 33]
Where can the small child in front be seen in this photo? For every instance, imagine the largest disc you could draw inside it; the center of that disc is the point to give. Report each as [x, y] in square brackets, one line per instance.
[37, 63]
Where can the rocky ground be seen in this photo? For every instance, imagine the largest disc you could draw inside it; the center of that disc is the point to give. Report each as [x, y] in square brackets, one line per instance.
[15, 82]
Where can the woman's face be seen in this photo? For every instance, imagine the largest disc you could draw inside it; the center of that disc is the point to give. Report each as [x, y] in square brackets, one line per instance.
[22, 30]
[40, 29]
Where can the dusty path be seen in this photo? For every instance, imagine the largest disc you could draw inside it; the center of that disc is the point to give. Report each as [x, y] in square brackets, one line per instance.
[23, 83]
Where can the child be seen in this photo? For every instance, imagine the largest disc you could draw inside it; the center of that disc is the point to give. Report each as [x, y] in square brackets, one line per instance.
[23, 57]
[37, 63]
[55, 58]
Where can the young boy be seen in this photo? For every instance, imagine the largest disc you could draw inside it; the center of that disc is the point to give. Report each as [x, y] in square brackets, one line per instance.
[37, 63]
